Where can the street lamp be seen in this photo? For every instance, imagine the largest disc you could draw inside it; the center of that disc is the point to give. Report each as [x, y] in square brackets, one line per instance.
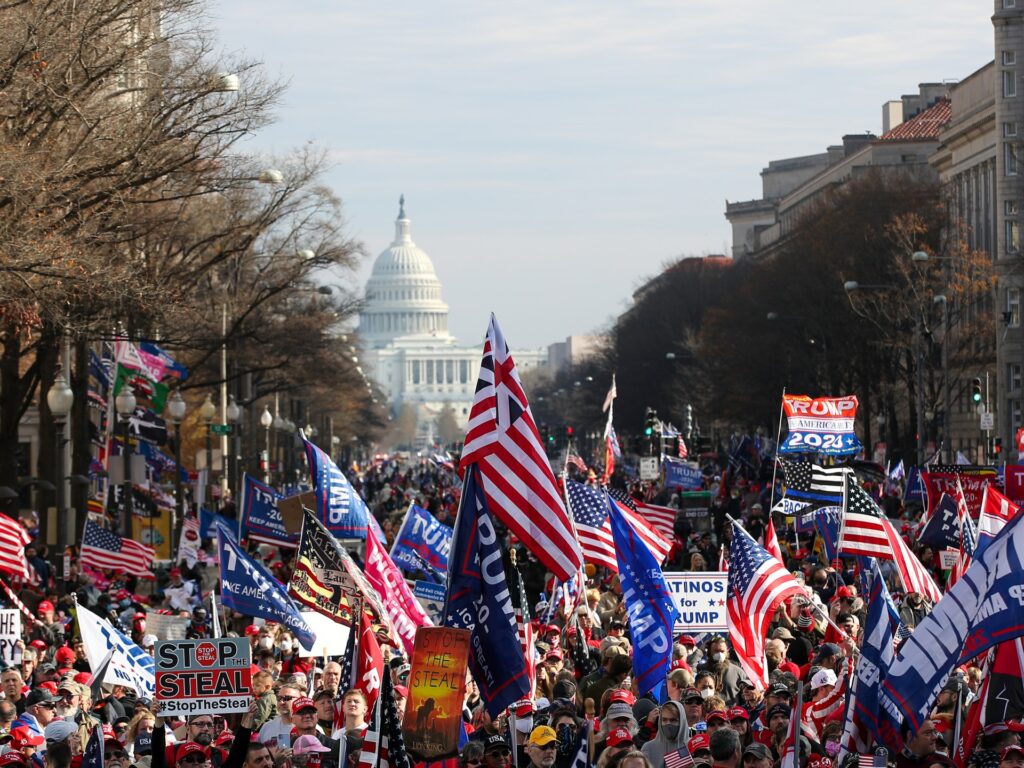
[207, 412]
[266, 421]
[176, 412]
[234, 416]
[124, 404]
[60, 398]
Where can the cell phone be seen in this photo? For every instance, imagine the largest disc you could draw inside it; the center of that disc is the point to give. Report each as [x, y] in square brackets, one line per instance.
[701, 727]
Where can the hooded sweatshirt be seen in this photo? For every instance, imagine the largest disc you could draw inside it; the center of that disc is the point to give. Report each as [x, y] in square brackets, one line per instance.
[661, 745]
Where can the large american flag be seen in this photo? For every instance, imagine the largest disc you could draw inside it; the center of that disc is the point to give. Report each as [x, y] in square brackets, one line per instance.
[13, 538]
[502, 440]
[866, 531]
[106, 550]
[590, 511]
[757, 584]
[662, 518]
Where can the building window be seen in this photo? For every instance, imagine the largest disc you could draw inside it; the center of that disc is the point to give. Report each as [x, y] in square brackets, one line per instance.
[1009, 58]
[1009, 83]
[463, 371]
[1009, 129]
[1013, 371]
[430, 371]
[1012, 236]
[415, 371]
[1014, 408]
[1013, 307]
[1009, 159]
[449, 371]
[1009, 3]
[1011, 207]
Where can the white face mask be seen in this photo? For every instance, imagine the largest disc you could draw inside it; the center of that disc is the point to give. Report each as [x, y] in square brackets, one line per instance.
[707, 693]
[266, 642]
[718, 657]
[286, 647]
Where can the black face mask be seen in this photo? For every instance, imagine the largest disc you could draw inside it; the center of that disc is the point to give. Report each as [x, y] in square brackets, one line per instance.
[566, 739]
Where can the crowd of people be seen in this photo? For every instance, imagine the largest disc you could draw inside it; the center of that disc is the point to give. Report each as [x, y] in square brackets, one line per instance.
[585, 705]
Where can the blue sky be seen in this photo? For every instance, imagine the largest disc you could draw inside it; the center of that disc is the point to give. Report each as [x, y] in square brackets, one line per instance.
[555, 154]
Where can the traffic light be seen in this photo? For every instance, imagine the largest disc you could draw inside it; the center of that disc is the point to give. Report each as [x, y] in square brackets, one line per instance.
[568, 432]
[545, 434]
[976, 390]
[650, 422]
[997, 448]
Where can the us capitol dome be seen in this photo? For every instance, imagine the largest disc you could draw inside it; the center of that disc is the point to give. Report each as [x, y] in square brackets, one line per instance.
[406, 345]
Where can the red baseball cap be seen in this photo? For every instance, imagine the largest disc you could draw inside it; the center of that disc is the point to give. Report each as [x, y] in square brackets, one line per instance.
[252, 630]
[621, 694]
[108, 732]
[45, 605]
[699, 743]
[844, 593]
[65, 656]
[523, 708]
[680, 664]
[555, 653]
[186, 749]
[301, 703]
[39, 645]
[686, 640]
[83, 677]
[717, 715]
[618, 736]
[22, 736]
[739, 713]
[12, 758]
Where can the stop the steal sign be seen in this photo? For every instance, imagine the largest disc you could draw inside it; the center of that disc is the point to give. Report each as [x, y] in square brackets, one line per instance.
[196, 677]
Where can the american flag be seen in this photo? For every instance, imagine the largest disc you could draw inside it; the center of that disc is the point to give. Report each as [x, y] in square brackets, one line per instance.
[662, 518]
[595, 533]
[871, 761]
[968, 537]
[866, 531]
[771, 542]
[13, 538]
[106, 550]
[636, 514]
[502, 440]
[680, 758]
[517, 592]
[996, 512]
[589, 510]
[375, 740]
[576, 461]
[757, 584]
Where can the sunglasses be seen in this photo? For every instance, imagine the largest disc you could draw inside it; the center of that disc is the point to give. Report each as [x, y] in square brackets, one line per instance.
[545, 747]
[286, 698]
[204, 724]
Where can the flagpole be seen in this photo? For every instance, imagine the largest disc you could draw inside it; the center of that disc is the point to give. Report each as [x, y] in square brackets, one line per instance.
[775, 465]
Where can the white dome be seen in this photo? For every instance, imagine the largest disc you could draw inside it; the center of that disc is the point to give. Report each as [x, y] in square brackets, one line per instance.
[403, 294]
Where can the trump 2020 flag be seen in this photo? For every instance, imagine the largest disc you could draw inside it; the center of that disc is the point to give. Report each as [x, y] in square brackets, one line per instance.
[249, 588]
[338, 505]
[651, 609]
[984, 608]
[820, 425]
[261, 520]
[422, 539]
[478, 599]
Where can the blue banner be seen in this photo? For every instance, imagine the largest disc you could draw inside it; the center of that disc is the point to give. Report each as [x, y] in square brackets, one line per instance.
[985, 607]
[942, 529]
[649, 605]
[679, 474]
[208, 522]
[477, 599]
[422, 543]
[249, 588]
[339, 507]
[915, 490]
[261, 520]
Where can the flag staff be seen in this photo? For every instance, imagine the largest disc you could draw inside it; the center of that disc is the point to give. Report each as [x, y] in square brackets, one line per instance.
[775, 464]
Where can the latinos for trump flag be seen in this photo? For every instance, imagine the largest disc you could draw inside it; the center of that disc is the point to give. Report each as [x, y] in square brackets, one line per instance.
[821, 425]
[338, 505]
[422, 539]
[249, 588]
[478, 599]
[649, 604]
[985, 607]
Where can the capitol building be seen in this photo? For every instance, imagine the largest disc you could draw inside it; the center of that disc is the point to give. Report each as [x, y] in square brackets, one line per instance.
[407, 348]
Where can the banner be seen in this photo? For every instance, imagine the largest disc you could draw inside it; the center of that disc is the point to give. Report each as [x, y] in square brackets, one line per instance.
[249, 588]
[682, 474]
[437, 687]
[208, 522]
[320, 580]
[10, 634]
[369, 663]
[199, 677]
[821, 425]
[261, 520]
[915, 487]
[338, 506]
[943, 480]
[129, 665]
[700, 601]
[422, 543]
[985, 607]
[477, 599]
[401, 606]
[1013, 483]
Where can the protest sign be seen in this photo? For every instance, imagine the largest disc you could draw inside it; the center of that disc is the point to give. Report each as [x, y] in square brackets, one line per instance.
[331, 639]
[1013, 483]
[431, 597]
[10, 633]
[208, 676]
[948, 558]
[820, 425]
[437, 686]
[167, 627]
[682, 474]
[700, 599]
[943, 480]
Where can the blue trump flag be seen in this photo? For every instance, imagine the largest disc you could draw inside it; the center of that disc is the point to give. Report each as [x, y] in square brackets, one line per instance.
[208, 522]
[649, 605]
[260, 519]
[942, 529]
[478, 599]
[249, 588]
[342, 511]
[422, 539]
[865, 720]
[984, 608]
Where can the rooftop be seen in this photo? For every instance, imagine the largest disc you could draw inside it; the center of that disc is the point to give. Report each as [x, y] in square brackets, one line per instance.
[924, 125]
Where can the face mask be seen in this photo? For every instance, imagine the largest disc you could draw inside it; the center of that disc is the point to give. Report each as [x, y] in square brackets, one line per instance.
[566, 739]
[832, 748]
[671, 730]
[707, 693]
[286, 647]
[718, 657]
[266, 642]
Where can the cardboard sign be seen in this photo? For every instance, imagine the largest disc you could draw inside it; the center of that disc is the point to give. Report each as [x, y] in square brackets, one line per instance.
[10, 633]
[291, 510]
[437, 686]
[211, 676]
[700, 600]
[649, 468]
[948, 558]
